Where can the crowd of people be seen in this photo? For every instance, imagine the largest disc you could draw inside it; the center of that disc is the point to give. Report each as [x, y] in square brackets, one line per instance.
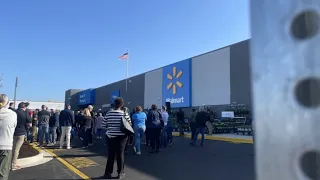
[152, 128]
[24, 125]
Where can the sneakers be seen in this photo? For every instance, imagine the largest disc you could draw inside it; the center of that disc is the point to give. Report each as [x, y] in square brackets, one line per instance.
[107, 176]
[15, 167]
[69, 147]
[121, 176]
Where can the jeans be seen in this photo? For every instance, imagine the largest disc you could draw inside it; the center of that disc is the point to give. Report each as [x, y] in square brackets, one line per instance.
[86, 136]
[53, 134]
[193, 130]
[181, 129]
[65, 133]
[116, 146]
[147, 133]
[90, 136]
[169, 130]
[199, 130]
[138, 135]
[43, 132]
[129, 142]
[33, 134]
[58, 133]
[155, 138]
[164, 137]
[99, 132]
[28, 135]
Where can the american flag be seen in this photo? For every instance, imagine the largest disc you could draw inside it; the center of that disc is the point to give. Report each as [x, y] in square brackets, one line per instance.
[125, 56]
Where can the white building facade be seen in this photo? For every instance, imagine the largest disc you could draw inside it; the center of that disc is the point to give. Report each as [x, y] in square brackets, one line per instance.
[37, 104]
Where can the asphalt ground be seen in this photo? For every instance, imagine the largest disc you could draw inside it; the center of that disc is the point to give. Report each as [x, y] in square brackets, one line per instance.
[216, 160]
[50, 170]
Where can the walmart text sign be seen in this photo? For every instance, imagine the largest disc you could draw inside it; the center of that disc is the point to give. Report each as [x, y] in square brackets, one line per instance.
[86, 97]
[176, 84]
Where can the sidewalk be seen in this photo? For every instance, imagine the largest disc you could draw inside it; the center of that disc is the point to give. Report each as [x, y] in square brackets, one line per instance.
[234, 138]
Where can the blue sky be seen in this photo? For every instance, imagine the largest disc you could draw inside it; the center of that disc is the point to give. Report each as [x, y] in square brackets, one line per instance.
[57, 45]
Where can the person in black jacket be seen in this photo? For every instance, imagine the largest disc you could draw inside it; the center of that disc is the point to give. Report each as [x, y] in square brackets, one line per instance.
[34, 125]
[180, 120]
[11, 106]
[23, 122]
[66, 121]
[43, 125]
[201, 118]
[154, 124]
[87, 128]
[53, 126]
[80, 122]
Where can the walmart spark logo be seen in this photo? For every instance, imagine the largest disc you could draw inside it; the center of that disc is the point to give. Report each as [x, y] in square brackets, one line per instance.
[175, 76]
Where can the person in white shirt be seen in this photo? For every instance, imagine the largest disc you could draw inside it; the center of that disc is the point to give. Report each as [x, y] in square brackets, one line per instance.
[165, 117]
[8, 123]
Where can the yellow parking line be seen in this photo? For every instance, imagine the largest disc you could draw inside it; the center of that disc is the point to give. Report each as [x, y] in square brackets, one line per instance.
[68, 165]
[217, 138]
[81, 162]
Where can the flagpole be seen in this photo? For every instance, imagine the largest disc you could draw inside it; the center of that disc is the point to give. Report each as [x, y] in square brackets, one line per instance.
[127, 71]
[127, 74]
[15, 93]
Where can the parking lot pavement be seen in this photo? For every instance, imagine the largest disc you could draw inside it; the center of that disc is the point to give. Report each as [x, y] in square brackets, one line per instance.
[50, 170]
[216, 160]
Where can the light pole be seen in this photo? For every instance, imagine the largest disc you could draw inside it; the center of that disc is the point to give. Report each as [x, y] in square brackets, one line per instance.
[15, 92]
[1, 79]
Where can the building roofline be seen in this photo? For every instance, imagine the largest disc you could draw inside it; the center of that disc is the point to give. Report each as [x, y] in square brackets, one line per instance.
[170, 64]
[35, 101]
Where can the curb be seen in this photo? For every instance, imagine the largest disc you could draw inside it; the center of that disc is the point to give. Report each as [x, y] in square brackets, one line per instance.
[25, 162]
[216, 138]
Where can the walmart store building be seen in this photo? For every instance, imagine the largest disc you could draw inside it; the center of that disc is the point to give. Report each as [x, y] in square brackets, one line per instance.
[216, 78]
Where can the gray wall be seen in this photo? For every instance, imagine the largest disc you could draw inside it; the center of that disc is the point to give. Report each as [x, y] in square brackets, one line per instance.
[134, 95]
[240, 78]
[102, 96]
[153, 88]
[211, 78]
